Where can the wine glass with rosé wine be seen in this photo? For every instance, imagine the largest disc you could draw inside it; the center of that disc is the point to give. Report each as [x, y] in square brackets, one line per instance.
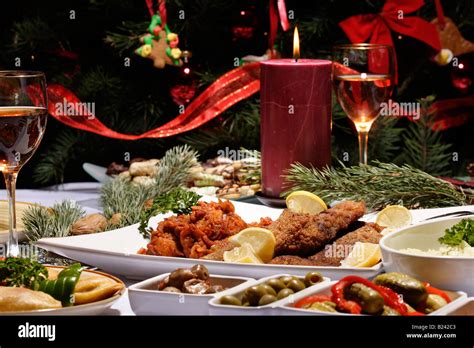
[23, 114]
[363, 76]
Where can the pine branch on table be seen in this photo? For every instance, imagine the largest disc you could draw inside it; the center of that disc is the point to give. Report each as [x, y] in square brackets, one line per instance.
[42, 222]
[122, 197]
[378, 185]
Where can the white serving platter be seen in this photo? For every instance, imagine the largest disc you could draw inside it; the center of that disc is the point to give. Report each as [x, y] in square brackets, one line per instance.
[116, 251]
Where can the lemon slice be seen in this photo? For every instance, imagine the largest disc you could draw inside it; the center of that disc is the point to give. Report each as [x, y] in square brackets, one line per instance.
[305, 202]
[363, 255]
[242, 254]
[394, 217]
[262, 241]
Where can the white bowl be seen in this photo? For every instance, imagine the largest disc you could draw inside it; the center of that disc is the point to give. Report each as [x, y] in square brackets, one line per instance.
[465, 307]
[145, 299]
[446, 272]
[288, 309]
[216, 308]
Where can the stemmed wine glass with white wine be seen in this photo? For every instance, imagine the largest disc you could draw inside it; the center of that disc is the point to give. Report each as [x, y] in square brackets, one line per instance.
[363, 76]
[23, 114]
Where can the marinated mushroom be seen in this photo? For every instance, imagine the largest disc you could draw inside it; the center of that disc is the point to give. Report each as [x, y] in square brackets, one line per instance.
[200, 272]
[179, 277]
[196, 286]
[171, 289]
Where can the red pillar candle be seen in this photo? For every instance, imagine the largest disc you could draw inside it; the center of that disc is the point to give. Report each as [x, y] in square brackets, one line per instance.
[295, 97]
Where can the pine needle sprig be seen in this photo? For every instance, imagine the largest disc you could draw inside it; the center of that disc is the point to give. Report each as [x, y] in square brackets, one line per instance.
[173, 168]
[120, 196]
[378, 185]
[42, 222]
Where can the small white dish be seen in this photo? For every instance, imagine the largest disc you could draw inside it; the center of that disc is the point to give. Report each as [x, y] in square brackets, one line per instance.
[216, 308]
[464, 307]
[146, 299]
[445, 272]
[325, 289]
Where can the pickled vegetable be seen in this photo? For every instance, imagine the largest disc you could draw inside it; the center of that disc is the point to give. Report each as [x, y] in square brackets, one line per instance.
[276, 284]
[230, 300]
[412, 290]
[369, 299]
[433, 303]
[295, 285]
[284, 293]
[266, 299]
[326, 306]
[313, 278]
[388, 311]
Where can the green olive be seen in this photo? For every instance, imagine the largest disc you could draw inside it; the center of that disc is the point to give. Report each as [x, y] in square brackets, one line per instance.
[295, 285]
[268, 289]
[230, 300]
[276, 284]
[284, 293]
[254, 294]
[266, 299]
[287, 279]
[313, 278]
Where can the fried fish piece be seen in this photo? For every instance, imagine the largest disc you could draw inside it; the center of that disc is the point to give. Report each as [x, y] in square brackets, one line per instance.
[14, 299]
[292, 260]
[218, 250]
[304, 234]
[333, 254]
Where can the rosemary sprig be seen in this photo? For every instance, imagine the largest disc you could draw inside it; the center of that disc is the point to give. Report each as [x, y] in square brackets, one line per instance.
[178, 201]
[41, 222]
[378, 185]
[119, 196]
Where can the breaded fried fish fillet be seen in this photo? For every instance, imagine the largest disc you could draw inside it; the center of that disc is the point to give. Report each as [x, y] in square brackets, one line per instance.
[304, 234]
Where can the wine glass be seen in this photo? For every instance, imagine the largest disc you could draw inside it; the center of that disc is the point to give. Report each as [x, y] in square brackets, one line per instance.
[23, 114]
[363, 76]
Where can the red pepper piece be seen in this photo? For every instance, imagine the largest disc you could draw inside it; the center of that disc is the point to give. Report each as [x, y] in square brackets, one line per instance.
[435, 291]
[311, 299]
[390, 297]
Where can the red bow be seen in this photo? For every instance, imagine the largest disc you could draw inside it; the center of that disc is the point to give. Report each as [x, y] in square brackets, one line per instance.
[376, 27]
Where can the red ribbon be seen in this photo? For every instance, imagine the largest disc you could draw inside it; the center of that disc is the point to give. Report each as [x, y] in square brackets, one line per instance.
[226, 91]
[277, 11]
[451, 113]
[161, 10]
[376, 27]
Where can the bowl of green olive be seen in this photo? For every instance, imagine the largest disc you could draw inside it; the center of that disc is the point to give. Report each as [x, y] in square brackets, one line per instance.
[264, 296]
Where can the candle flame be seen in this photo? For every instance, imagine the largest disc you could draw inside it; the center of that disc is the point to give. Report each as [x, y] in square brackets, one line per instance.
[296, 44]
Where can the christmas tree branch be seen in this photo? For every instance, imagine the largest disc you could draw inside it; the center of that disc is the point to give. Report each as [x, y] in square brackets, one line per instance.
[378, 185]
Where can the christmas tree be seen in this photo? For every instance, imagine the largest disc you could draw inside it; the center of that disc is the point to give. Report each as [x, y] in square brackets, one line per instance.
[90, 48]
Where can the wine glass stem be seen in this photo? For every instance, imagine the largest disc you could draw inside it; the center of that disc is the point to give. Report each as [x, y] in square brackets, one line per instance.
[363, 140]
[10, 183]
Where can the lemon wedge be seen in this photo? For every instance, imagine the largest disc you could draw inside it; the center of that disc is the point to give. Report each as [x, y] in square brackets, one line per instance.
[262, 241]
[305, 202]
[394, 217]
[242, 254]
[363, 255]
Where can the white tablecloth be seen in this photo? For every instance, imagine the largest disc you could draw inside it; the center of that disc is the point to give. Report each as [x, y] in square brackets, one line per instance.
[87, 195]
